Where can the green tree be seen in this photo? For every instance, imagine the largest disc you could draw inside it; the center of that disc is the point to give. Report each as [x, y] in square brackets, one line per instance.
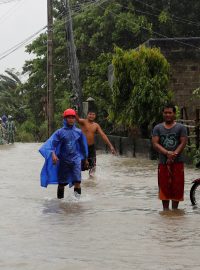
[12, 95]
[172, 18]
[98, 27]
[140, 86]
[97, 30]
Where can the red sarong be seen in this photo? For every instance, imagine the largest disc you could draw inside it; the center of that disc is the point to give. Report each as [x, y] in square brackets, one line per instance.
[171, 181]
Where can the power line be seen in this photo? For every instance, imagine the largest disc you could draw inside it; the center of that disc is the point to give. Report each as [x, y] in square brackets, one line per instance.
[19, 45]
[173, 16]
[82, 7]
[156, 15]
[158, 34]
[96, 2]
[5, 16]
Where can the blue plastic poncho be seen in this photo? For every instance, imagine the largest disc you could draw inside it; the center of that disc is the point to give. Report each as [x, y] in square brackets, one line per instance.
[69, 144]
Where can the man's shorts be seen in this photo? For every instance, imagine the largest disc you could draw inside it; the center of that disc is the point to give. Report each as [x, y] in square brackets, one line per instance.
[69, 173]
[91, 156]
[171, 181]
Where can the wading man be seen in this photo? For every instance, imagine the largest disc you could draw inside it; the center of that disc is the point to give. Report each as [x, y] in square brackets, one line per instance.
[63, 153]
[169, 139]
[89, 127]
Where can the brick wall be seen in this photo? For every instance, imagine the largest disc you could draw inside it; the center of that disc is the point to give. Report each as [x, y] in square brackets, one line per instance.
[183, 54]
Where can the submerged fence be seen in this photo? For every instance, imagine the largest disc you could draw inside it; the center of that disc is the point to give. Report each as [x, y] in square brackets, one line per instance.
[193, 127]
[127, 146]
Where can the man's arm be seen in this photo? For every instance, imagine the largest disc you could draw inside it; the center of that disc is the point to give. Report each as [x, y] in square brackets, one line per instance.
[157, 146]
[106, 140]
[54, 144]
[84, 150]
[181, 146]
[171, 155]
[81, 121]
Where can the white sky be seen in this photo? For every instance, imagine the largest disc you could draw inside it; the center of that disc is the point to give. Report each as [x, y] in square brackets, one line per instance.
[19, 20]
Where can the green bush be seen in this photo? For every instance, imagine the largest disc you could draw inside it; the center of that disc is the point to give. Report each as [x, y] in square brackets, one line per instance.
[140, 86]
[24, 136]
[26, 132]
[42, 132]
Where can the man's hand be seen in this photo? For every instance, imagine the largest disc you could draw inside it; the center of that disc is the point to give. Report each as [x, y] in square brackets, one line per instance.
[54, 158]
[171, 156]
[86, 164]
[112, 149]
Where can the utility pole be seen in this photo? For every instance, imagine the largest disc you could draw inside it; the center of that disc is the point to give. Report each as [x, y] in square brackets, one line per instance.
[50, 94]
[73, 61]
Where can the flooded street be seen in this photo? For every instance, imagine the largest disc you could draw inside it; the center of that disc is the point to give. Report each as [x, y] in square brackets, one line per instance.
[117, 224]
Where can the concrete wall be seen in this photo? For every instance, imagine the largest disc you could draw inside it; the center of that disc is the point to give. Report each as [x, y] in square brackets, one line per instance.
[132, 147]
[127, 146]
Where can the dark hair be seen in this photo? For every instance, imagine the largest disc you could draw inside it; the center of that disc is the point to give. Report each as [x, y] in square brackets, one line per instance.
[171, 106]
[91, 111]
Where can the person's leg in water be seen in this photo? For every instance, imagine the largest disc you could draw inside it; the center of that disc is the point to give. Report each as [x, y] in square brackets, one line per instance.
[63, 172]
[92, 160]
[92, 169]
[165, 204]
[77, 189]
[175, 205]
[60, 191]
[76, 176]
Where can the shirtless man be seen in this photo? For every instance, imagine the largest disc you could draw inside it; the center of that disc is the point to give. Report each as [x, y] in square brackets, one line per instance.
[90, 128]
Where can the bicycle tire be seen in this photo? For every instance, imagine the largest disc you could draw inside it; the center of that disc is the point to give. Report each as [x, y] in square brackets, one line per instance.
[192, 193]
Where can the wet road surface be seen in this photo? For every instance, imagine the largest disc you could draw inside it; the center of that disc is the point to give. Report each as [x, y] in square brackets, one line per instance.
[118, 222]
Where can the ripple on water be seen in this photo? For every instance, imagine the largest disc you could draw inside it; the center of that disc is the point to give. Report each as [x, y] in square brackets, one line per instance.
[69, 204]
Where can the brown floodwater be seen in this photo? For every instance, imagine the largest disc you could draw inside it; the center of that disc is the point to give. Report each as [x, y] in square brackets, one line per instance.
[118, 222]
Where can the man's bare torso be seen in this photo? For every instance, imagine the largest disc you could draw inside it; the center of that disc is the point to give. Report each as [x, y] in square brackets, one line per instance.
[89, 129]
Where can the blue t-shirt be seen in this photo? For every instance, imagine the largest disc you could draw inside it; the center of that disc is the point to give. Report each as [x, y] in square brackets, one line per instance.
[170, 139]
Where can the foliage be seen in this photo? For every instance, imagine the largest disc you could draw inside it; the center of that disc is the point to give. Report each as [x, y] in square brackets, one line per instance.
[196, 93]
[97, 85]
[171, 18]
[196, 158]
[98, 28]
[178, 112]
[140, 86]
[12, 95]
[193, 155]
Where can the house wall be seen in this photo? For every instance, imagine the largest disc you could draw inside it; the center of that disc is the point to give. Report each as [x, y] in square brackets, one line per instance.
[183, 54]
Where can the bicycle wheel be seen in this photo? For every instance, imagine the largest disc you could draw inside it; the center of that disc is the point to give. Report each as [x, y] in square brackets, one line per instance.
[195, 194]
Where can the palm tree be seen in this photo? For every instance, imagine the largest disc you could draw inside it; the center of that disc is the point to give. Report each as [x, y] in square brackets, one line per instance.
[12, 95]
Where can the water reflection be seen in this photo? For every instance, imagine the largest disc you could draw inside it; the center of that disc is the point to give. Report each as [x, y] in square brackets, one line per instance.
[173, 213]
[69, 205]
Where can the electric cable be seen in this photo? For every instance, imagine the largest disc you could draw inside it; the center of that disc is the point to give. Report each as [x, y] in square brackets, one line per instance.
[173, 16]
[10, 11]
[22, 43]
[158, 34]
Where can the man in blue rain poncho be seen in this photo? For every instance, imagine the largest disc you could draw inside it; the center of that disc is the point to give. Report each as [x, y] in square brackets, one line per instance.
[63, 153]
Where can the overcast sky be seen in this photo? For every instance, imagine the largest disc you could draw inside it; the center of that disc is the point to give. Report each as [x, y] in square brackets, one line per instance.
[19, 19]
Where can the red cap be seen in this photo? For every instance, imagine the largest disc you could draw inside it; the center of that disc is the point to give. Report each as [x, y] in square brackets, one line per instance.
[69, 112]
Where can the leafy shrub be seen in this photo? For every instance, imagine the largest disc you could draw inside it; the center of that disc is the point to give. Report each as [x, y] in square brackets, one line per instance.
[140, 86]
